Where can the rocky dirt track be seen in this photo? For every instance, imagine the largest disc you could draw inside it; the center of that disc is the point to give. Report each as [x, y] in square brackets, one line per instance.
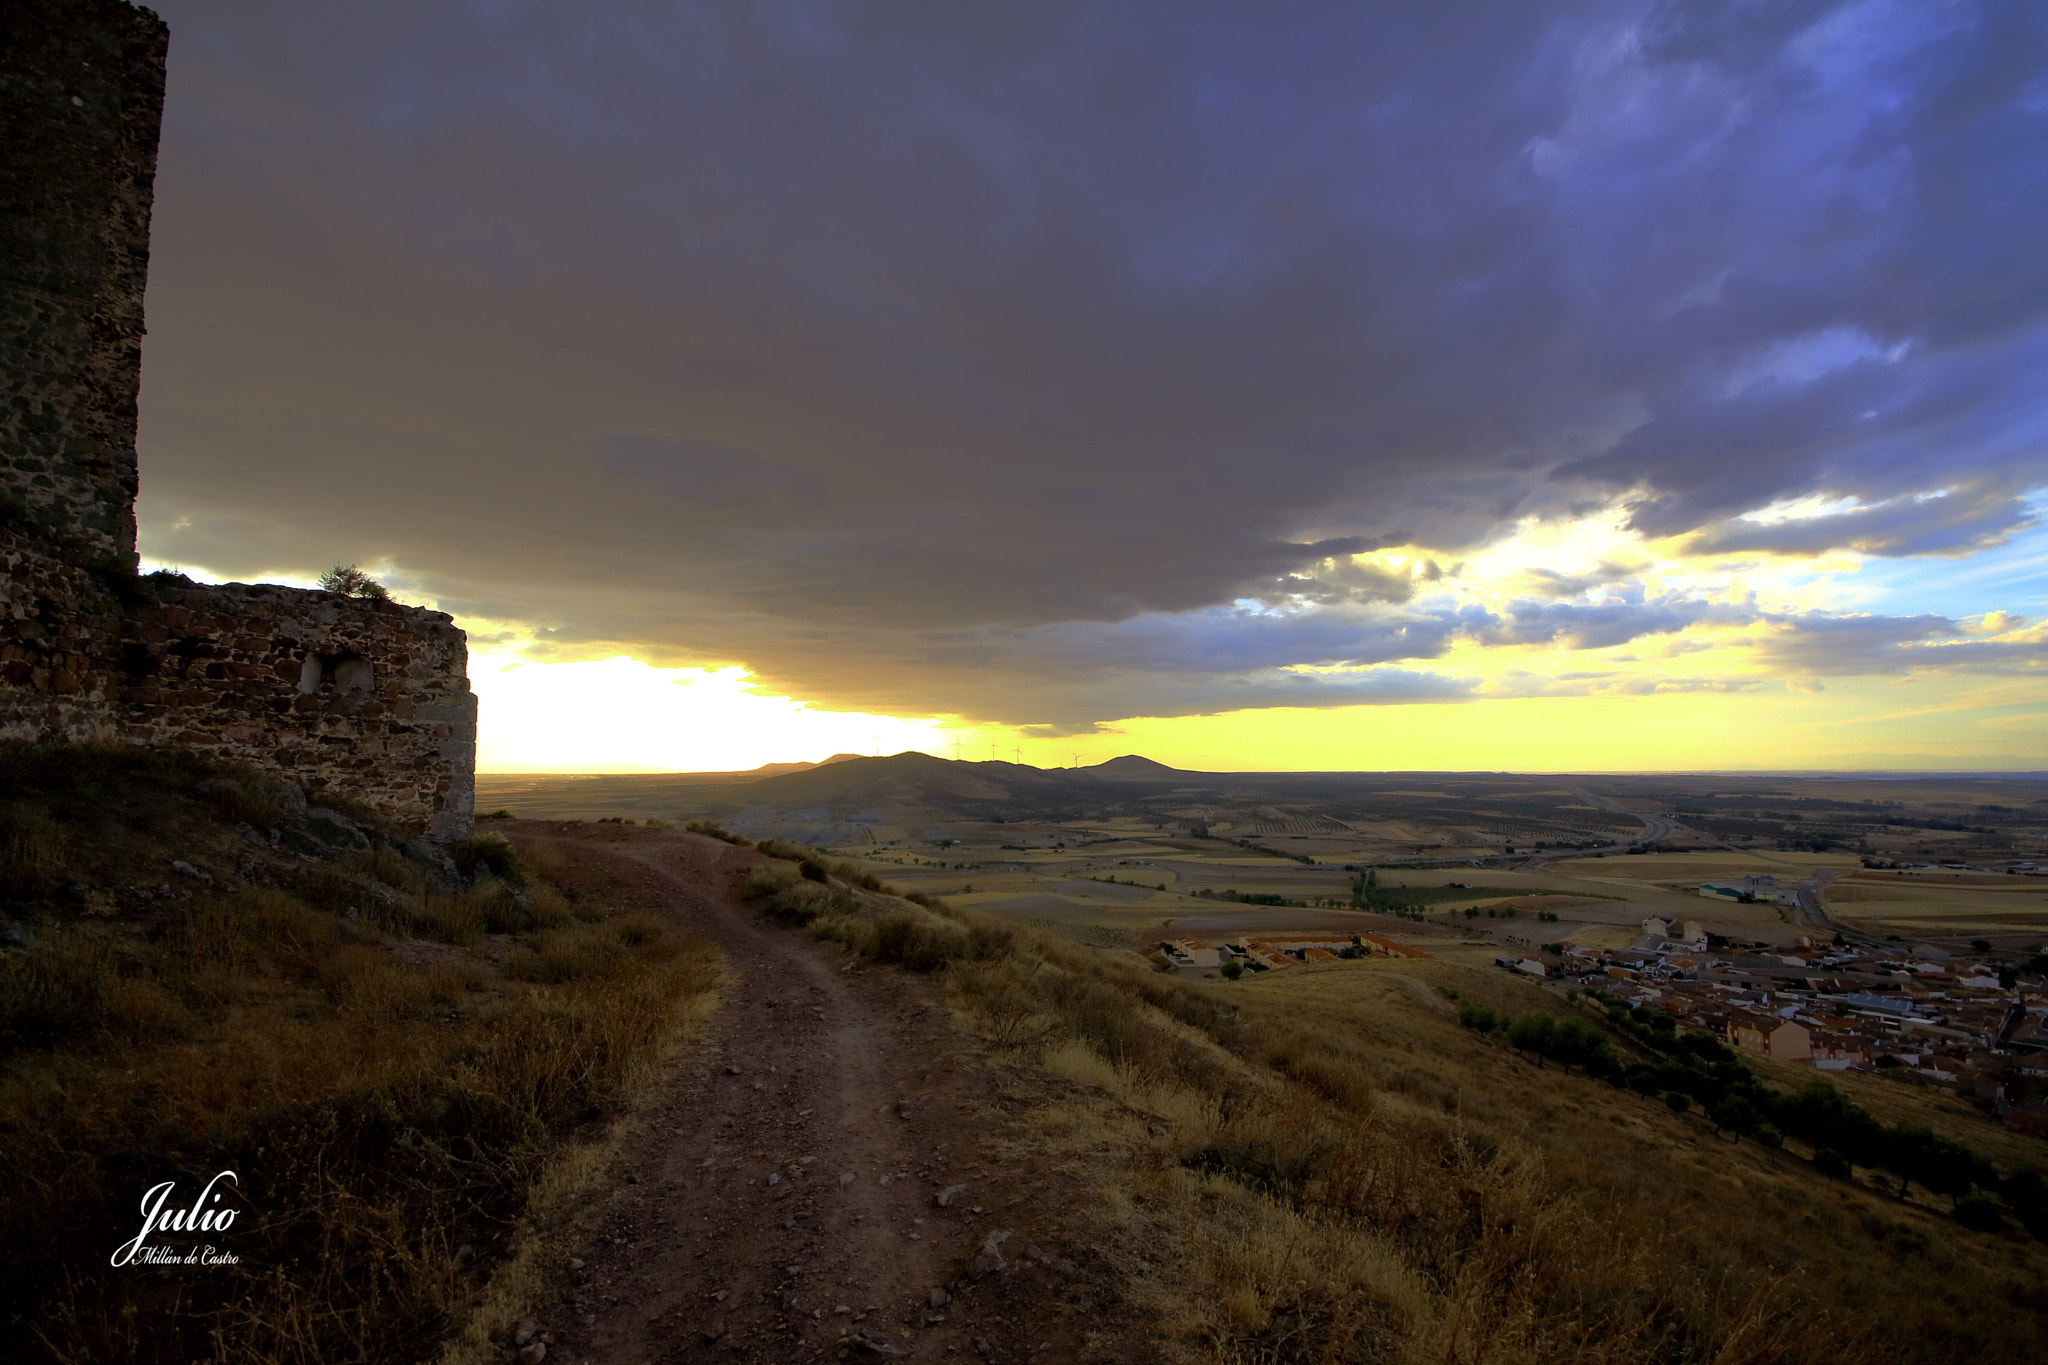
[821, 1177]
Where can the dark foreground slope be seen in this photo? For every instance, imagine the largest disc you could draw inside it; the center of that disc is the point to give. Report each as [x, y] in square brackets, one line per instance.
[394, 1052]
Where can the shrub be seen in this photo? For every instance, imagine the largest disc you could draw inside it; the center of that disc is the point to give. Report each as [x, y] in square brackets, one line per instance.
[764, 880]
[784, 896]
[1979, 1213]
[350, 581]
[1258, 1166]
[1480, 1018]
[246, 798]
[1831, 1163]
[990, 942]
[852, 875]
[916, 942]
[34, 850]
[490, 852]
[52, 991]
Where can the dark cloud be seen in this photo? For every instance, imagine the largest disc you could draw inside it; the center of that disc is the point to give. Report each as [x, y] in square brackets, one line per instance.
[941, 353]
[709, 479]
[1836, 646]
[1953, 520]
[1551, 583]
[1599, 625]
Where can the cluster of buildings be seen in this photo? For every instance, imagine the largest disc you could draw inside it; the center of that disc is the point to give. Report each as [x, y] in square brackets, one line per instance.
[1916, 1013]
[1269, 954]
[1750, 891]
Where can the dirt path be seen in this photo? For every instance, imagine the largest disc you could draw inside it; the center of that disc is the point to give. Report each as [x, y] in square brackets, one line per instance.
[780, 1198]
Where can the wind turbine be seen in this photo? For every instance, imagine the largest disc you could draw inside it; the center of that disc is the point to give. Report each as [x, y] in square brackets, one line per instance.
[956, 748]
[1017, 755]
[1077, 760]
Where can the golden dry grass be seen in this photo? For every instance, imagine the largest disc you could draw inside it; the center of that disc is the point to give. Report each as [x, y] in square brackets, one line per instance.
[1315, 1166]
[392, 1072]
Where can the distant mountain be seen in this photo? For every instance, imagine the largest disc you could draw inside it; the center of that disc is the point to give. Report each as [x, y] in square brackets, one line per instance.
[909, 778]
[777, 770]
[1133, 768]
[765, 770]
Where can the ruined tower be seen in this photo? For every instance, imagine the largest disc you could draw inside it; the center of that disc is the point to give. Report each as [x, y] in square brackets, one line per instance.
[351, 698]
[81, 96]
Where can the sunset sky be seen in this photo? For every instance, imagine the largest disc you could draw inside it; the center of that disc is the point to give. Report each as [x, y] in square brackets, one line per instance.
[1431, 385]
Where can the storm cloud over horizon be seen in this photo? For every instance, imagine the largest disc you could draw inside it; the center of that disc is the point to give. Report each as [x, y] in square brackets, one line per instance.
[1056, 363]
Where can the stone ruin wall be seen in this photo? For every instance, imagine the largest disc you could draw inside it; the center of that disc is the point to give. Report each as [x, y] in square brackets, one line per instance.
[354, 699]
[81, 97]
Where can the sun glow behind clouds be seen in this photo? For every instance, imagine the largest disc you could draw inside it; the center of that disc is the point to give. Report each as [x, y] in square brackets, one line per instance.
[621, 713]
[1597, 556]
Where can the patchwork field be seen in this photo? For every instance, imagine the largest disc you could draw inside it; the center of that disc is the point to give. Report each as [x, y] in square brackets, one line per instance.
[1938, 901]
[1484, 855]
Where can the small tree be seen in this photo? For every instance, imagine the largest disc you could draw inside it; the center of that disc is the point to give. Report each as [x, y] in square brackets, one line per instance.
[1832, 1164]
[1736, 1114]
[350, 581]
[1232, 970]
[1531, 1033]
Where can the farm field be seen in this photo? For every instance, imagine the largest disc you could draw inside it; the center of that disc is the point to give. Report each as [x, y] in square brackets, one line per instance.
[1601, 853]
[1938, 901]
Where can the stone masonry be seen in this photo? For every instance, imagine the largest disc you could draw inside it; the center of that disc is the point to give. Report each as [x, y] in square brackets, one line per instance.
[81, 95]
[354, 699]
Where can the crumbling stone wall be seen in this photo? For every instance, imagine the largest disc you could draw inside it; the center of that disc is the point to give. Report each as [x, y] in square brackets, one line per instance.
[349, 697]
[356, 700]
[81, 98]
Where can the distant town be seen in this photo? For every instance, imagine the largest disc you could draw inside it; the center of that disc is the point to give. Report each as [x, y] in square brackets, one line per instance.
[1972, 1024]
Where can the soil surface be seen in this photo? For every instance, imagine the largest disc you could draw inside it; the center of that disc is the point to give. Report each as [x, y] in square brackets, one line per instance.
[779, 1199]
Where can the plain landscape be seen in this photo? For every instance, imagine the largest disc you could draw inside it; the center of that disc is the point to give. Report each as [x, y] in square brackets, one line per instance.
[941, 1094]
[1132, 848]
[1560, 482]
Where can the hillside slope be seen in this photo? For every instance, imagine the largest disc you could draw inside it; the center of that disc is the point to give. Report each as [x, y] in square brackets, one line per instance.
[1316, 1165]
[523, 1127]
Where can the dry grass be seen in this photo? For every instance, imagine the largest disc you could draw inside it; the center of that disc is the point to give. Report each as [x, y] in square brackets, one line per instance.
[393, 1070]
[1319, 1167]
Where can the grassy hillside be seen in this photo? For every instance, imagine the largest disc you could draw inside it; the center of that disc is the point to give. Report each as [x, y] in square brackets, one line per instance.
[1320, 1166]
[392, 1051]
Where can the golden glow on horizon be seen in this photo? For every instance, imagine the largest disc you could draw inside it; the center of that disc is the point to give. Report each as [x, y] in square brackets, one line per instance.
[620, 713]
[1727, 693]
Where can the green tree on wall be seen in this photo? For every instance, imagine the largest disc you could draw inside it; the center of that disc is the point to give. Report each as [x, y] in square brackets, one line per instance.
[350, 581]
